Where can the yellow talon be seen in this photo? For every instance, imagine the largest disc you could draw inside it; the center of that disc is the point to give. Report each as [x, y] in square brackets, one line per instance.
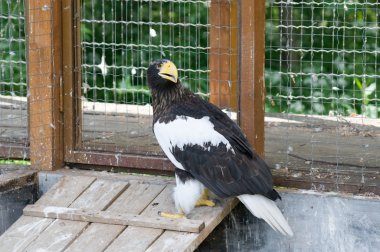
[170, 215]
[204, 201]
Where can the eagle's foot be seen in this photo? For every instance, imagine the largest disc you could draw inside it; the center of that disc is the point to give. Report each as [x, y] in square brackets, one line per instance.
[170, 215]
[204, 200]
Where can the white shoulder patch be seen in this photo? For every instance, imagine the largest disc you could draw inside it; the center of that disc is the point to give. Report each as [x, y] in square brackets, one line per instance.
[186, 130]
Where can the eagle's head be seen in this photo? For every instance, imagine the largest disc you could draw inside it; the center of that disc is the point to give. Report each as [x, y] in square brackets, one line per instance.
[162, 74]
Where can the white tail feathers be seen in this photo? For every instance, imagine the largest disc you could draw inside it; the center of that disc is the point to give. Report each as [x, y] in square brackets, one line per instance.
[266, 209]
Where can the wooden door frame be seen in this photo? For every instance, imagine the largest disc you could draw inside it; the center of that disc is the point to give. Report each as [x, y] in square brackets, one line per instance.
[247, 76]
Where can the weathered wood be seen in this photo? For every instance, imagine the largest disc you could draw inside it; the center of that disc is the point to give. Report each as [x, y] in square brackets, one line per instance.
[66, 191]
[24, 231]
[44, 70]
[136, 198]
[106, 229]
[106, 217]
[135, 239]
[134, 201]
[58, 236]
[71, 76]
[100, 195]
[12, 178]
[173, 241]
[251, 71]
[103, 234]
[223, 53]
[176, 241]
[162, 203]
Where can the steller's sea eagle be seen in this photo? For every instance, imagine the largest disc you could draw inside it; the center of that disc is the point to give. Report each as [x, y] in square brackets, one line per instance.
[209, 150]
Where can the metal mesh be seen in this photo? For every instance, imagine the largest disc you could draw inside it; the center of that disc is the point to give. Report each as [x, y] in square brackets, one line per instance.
[322, 59]
[13, 87]
[119, 39]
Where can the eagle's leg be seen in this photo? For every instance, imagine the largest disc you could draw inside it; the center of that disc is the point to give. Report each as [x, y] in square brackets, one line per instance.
[204, 200]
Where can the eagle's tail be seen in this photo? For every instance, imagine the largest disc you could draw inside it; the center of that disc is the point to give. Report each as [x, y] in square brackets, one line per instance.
[266, 209]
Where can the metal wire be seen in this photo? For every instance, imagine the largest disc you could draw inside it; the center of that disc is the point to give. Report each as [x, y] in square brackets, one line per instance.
[329, 49]
[322, 59]
[119, 39]
[13, 87]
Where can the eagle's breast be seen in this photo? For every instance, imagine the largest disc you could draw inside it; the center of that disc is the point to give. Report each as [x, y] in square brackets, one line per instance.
[185, 131]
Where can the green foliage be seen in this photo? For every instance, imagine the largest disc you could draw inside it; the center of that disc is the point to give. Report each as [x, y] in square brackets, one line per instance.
[14, 162]
[12, 48]
[323, 58]
[320, 58]
[130, 35]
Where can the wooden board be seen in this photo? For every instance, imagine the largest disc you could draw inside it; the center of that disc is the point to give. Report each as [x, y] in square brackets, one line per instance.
[116, 218]
[110, 213]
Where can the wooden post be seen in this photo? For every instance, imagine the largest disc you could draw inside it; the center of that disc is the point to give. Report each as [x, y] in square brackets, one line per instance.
[44, 78]
[251, 71]
[223, 53]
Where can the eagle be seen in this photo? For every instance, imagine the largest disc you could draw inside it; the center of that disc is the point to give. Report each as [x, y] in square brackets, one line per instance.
[209, 151]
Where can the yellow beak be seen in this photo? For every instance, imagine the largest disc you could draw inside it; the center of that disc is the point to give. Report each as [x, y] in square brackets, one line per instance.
[169, 71]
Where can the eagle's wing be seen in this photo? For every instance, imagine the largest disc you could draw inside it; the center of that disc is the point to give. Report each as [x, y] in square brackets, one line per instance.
[205, 142]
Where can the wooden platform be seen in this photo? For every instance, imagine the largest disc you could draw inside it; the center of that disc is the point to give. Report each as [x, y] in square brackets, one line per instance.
[89, 213]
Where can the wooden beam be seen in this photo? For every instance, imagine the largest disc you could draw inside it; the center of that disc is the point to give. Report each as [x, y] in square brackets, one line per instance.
[251, 71]
[44, 78]
[223, 53]
[106, 217]
[71, 76]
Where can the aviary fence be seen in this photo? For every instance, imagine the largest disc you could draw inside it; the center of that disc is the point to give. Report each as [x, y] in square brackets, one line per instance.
[89, 106]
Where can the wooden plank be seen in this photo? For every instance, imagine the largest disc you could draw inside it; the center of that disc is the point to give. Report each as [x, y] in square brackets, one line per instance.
[129, 234]
[65, 191]
[24, 231]
[135, 239]
[173, 241]
[179, 241]
[96, 238]
[71, 76]
[148, 163]
[12, 178]
[100, 194]
[251, 67]
[58, 236]
[136, 198]
[106, 217]
[164, 202]
[45, 119]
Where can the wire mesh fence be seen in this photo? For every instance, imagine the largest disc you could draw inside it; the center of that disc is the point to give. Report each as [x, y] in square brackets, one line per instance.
[119, 39]
[322, 59]
[13, 81]
[321, 76]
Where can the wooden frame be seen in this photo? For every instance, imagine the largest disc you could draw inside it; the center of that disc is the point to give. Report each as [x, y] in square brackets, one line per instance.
[237, 63]
[251, 71]
[44, 75]
[224, 76]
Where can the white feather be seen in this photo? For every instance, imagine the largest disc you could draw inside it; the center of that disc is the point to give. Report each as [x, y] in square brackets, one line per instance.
[186, 130]
[187, 194]
[266, 209]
